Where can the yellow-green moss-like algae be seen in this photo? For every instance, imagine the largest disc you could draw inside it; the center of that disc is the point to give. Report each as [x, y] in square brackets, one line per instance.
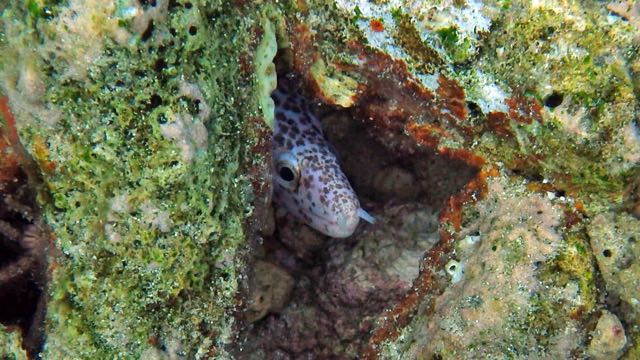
[266, 70]
[142, 160]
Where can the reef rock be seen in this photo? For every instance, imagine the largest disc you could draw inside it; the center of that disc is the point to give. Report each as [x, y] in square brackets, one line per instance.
[499, 138]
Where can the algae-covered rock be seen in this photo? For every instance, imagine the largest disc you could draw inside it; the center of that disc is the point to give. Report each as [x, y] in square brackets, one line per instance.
[271, 287]
[615, 246]
[514, 122]
[139, 115]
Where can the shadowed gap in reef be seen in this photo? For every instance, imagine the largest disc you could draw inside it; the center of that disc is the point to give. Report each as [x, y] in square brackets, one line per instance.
[318, 297]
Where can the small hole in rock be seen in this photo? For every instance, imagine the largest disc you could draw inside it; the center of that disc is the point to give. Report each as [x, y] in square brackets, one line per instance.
[474, 109]
[146, 35]
[553, 100]
[154, 101]
[606, 253]
[193, 30]
[160, 65]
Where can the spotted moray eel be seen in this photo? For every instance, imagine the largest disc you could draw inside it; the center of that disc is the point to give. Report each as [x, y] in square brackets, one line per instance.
[308, 181]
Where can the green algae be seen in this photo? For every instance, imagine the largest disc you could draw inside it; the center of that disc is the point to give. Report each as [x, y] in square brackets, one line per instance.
[458, 50]
[580, 57]
[11, 345]
[148, 198]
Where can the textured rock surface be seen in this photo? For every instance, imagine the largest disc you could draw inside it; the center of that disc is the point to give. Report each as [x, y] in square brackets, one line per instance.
[139, 115]
[608, 338]
[501, 135]
[507, 239]
[270, 290]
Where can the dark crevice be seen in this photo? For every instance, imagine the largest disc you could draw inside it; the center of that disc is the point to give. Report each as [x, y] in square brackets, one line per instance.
[553, 100]
[474, 109]
[146, 34]
[394, 179]
[154, 101]
[22, 263]
[160, 65]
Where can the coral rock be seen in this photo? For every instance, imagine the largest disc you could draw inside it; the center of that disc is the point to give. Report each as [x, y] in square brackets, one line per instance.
[270, 288]
[608, 338]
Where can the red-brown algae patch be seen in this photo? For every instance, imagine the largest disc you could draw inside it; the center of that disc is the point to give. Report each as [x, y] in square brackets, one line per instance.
[9, 165]
[376, 25]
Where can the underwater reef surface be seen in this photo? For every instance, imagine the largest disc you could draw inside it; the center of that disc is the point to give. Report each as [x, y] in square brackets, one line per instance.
[497, 143]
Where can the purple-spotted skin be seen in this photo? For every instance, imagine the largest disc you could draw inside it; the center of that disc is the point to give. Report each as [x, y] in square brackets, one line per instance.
[315, 191]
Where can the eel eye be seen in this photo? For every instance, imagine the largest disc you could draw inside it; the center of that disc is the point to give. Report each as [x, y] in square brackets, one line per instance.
[288, 170]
